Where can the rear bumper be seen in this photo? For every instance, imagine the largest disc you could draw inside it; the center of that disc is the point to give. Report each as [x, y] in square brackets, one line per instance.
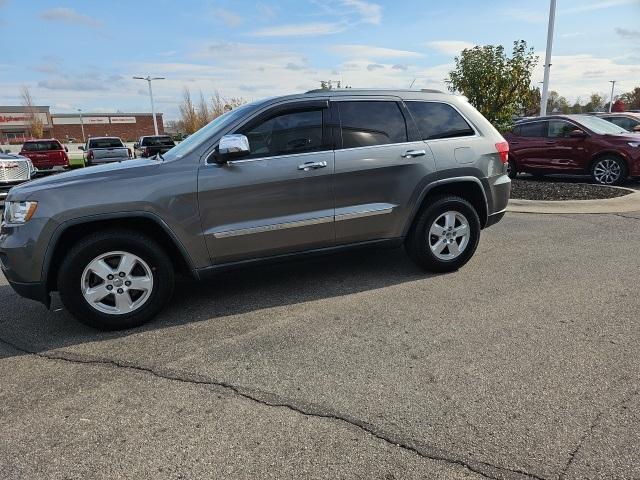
[498, 192]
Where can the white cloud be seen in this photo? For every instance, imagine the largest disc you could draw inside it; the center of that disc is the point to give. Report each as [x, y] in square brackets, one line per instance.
[300, 29]
[450, 47]
[599, 5]
[369, 12]
[230, 18]
[68, 15]
[369, 51]
[626, 33]
[266, 11]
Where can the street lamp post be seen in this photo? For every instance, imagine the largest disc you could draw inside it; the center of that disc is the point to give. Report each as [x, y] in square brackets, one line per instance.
[547, 59]
[81, 125]
[153, 110]
[613, 84]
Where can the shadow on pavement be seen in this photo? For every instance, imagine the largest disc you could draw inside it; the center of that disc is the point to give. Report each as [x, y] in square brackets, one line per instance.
[29, 325]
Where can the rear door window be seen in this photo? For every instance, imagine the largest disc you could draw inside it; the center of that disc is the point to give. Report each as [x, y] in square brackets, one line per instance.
[439, 120]
[369, 123]
[157, 141]
[532, 129]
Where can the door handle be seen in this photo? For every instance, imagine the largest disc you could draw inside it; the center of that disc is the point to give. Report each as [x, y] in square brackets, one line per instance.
[550, 142]
[414, 153]
[312, 166]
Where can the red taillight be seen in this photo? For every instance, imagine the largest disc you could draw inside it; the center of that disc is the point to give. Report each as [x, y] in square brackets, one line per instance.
[503, 150]
[90, 155]
[130, 154]
[147, 152]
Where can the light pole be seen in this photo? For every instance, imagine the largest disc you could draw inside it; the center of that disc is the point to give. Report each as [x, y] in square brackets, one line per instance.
[547, 59]
[81, 125]
[613, 84]
[153, 110]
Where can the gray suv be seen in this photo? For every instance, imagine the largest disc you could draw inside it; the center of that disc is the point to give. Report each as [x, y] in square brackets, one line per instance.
[308, 173]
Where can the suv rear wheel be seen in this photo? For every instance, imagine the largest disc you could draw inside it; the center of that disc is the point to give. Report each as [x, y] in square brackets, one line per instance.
[115, 279]
[445, 235]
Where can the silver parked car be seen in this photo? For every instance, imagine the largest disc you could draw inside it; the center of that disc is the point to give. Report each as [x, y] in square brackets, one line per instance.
[14, 169]
[308, 173]
[105, 150]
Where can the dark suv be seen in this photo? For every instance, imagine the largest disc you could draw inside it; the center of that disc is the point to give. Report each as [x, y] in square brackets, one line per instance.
[574, 144]
[308, 173]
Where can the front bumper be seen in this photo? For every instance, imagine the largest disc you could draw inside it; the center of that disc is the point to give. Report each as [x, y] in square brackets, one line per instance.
[34, 291]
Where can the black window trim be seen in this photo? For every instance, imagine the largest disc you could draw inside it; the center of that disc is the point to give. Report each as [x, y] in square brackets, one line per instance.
[337, 130]
[476, 132]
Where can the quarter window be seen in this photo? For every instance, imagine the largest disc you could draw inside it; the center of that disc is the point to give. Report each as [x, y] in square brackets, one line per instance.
[623, 122]
[533, 129]
[369, 123]
[439, 120]
[285, 134]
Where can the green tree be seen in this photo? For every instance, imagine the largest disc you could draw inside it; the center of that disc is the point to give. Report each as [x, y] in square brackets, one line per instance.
[493, 82]
[631, 99]
[557, 103]
[596, 103]
[531, 102]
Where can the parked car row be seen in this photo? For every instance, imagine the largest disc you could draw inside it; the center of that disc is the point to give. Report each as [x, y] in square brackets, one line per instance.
[574, 144]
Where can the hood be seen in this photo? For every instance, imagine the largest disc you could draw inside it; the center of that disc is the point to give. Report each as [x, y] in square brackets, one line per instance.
[624, 137]
[99, 173]
[11, 156]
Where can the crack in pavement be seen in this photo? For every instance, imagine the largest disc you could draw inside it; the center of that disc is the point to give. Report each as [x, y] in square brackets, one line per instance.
[421, 449]
[587, 434]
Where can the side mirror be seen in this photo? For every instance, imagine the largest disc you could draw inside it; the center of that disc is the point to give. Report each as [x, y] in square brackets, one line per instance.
[136, 145]
[66, 149]
[232, 146]
[577, 133]
[81, 147]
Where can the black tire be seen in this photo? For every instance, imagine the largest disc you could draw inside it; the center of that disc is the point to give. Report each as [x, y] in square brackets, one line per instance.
[512, 170]
[417, 242]
[603, 180]
[90, 247]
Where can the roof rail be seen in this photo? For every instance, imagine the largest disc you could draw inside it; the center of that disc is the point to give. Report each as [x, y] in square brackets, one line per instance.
[424, 90]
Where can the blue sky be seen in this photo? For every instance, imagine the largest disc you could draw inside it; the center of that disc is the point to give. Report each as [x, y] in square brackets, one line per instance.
[82, 54]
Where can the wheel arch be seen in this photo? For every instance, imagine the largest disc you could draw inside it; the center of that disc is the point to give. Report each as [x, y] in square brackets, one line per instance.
[608, 153]
[469, 188]
[68, 233]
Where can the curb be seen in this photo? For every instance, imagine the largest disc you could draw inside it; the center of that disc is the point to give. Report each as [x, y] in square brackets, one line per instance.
[625, 204]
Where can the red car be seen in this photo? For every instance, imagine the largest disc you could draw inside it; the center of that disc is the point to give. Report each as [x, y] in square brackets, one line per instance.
[574, 144]
[46, 154]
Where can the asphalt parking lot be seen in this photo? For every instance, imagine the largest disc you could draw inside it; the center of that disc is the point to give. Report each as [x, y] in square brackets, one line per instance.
[524, 364]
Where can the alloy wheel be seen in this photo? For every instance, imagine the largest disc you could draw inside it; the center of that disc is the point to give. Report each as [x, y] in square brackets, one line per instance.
[117, 283]
[449, 235]
[607, 171]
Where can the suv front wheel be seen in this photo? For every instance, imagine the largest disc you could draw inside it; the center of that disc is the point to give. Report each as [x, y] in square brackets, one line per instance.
[445, 235]
[115, 279]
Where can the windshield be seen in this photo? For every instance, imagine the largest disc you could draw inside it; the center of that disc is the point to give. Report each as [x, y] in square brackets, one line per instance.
[599, 126]
[198, 138]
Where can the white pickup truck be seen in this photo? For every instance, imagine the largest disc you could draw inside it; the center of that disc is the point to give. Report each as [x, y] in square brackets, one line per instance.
[104, 150]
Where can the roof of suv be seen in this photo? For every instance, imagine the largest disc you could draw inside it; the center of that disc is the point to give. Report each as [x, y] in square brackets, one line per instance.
[364, 92]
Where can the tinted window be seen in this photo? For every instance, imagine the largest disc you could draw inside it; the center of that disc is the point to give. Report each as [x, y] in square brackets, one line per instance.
[105, 143]
[438, 120]
[157, 141]
[534, 129]
[285, 134]
[560, 129]
[41, 146]
[371, 123]
[623, 122]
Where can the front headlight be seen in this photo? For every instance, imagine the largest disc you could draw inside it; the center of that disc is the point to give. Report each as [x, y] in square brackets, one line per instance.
[19, 212]
[634, 144]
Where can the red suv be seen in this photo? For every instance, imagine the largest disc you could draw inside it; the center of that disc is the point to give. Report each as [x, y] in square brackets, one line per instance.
[47, 154]
[574, 144]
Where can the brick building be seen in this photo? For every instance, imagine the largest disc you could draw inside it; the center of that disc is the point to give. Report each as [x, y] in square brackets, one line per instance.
[128, 126]
[14, 125]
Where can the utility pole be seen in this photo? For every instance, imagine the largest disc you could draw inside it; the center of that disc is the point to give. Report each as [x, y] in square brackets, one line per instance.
[547, 59]
[82, 125]
[153, 110]
[613, 84]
